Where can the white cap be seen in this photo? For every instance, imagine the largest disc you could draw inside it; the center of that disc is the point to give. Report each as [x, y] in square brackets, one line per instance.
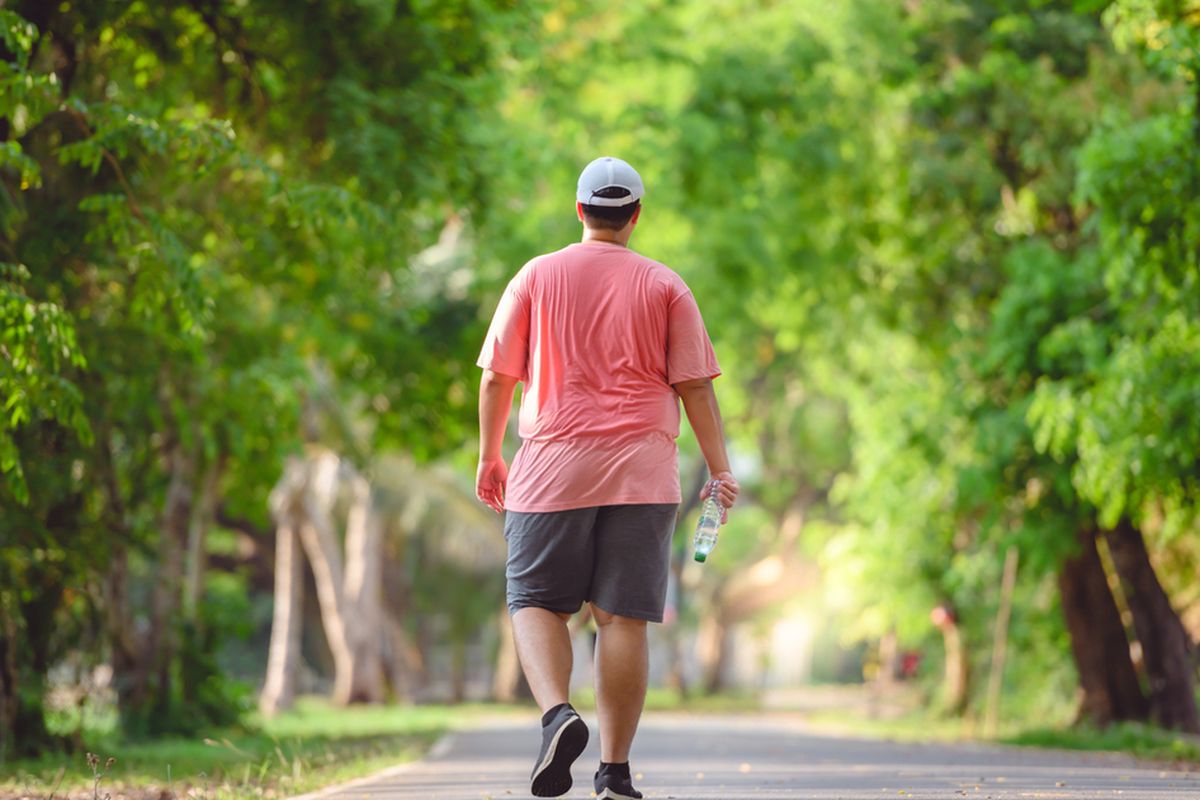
[609, 173]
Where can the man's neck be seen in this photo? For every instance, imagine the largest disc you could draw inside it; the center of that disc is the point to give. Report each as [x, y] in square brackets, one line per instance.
[609, 237]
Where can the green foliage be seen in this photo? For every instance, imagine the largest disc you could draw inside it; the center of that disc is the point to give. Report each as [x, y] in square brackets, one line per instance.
[947, 251]
[224, 239]
[1130, 417]
[38, 344]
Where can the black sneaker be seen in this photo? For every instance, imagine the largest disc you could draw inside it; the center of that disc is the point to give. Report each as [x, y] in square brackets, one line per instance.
[615, 784]
[563, 739]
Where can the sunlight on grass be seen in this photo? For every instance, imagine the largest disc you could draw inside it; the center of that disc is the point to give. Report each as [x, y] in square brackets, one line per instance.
[659, 699]
[909, 727]
[316, 717]
[312, 746]
[1141, 741]
[317, 745]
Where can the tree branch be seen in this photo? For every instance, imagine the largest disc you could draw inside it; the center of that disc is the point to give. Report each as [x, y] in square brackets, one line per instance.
[81, 121]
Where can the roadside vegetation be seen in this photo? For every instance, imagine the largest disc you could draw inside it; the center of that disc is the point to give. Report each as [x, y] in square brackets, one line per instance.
[313, 745]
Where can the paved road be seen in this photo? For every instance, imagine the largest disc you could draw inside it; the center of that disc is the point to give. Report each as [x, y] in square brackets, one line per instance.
[751, 758]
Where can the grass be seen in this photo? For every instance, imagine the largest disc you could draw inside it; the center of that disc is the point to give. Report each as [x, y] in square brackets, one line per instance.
[659, 699]
[312, 746]
[317, 745]
[1138, 740]
[1141, 741]
[910, 727]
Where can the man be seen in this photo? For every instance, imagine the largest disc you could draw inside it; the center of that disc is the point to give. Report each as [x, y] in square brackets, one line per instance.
[607, 342]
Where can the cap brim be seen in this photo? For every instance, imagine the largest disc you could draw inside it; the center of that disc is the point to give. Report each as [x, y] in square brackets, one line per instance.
[610, 202]
[591, 199]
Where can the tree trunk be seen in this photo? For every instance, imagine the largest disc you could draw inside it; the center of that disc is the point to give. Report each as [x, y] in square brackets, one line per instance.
[713, 644]
[407, 671]
[507, 676]
[120, 629]
[351, 612]
[154, 673]
[956, 678]
[22, 720]
[27, 630]
[883, 683]
[889, 659]
[321, 548]
[8, 685]
[364, 593]
[1109, 684]
[279, 689]
[991, 714]
[458, 672]
[196, 559]
[119, 625]
[1166, 648]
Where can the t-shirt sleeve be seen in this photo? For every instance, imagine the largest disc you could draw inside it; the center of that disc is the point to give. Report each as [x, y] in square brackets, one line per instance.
[506, 347]
[689, 350]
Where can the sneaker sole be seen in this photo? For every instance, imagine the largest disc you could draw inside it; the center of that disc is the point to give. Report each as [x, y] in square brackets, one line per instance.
[553, 776]
[609, 794]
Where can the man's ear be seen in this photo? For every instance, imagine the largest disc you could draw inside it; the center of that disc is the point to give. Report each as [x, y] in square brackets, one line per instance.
[579, 211]
[636, 213]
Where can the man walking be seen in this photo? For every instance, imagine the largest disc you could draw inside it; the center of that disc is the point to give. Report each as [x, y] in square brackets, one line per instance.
[607, 342]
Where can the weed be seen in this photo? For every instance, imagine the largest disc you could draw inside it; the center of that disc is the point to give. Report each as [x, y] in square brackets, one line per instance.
[98, 773]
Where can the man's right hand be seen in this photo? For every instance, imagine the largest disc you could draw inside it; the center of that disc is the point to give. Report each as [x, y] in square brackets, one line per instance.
[491, 479]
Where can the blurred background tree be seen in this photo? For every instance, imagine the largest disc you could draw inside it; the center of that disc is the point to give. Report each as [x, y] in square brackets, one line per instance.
[947, 251]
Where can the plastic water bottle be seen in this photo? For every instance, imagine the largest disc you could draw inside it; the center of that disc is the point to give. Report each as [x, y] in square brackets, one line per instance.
[710, 521]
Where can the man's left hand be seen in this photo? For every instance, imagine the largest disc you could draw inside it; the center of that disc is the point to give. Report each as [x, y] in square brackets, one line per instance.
[727, 494]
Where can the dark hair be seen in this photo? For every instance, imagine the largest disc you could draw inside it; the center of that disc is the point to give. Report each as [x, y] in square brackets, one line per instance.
[611, 218]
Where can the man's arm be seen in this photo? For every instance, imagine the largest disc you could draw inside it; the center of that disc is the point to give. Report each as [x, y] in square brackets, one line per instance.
[495, 403]
[700, 404]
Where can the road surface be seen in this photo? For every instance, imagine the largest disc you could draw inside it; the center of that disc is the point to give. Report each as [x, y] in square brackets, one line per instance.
[755, 758]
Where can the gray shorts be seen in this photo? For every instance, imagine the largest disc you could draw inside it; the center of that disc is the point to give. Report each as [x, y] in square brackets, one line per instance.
[617, 557]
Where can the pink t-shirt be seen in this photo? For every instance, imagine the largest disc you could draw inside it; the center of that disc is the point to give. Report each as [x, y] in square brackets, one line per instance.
[598, 334]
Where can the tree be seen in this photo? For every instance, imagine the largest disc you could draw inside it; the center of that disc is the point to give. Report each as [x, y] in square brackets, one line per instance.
[204, 227]
[1126, 421]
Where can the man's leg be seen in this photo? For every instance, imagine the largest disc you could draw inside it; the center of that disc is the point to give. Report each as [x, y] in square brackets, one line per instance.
[544, 647]
[549, 567]
[622, 671]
